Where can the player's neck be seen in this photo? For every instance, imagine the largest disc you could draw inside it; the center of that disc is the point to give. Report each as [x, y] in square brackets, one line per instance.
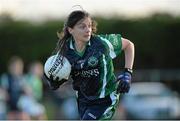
[80, 46]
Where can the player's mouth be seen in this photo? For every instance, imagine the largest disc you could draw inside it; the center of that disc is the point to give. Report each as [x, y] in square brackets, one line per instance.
[87, 36]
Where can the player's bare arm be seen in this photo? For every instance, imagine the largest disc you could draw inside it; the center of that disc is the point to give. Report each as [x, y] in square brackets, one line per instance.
[128, 48]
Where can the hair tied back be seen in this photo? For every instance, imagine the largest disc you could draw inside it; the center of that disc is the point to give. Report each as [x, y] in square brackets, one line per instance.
[77, 7]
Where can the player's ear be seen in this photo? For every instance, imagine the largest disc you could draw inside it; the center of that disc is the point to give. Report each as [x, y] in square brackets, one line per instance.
[70, 30]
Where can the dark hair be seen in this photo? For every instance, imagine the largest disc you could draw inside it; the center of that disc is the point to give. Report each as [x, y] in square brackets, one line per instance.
[71, 21]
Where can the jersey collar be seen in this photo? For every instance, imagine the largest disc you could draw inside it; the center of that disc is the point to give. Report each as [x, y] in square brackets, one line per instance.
[72, 43]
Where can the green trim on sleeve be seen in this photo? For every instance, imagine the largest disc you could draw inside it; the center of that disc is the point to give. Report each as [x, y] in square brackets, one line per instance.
[114, 42]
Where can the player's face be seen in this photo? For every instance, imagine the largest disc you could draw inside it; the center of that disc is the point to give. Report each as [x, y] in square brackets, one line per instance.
[82, 30]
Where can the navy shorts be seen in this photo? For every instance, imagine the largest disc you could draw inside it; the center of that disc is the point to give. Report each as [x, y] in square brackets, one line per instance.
[103, 108]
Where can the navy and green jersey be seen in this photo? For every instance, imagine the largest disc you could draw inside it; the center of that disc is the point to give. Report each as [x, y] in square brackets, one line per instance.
[92, 70]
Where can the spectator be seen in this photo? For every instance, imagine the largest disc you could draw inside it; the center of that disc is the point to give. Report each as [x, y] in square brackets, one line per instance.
[31, 102]
[34, 79]
[14, 85]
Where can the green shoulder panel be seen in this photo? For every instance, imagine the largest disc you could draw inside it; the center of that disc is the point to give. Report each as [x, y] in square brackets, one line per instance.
[114, 43]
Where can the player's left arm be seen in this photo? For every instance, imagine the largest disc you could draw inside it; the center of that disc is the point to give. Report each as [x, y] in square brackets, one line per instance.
[125, 77]
[128, 48]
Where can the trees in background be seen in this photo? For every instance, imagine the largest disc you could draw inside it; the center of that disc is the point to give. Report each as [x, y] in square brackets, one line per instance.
[156, 39]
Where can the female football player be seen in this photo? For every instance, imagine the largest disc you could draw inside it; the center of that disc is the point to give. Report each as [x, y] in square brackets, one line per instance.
[92, 72]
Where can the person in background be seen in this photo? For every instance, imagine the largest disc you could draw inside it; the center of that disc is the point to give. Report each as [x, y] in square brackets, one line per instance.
[34, 79]
[31, 102]
[13, 84]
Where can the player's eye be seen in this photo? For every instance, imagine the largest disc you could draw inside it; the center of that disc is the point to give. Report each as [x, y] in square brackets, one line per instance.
[82, 26]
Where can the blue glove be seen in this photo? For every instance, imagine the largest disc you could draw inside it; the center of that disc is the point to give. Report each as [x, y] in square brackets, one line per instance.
[54, 84]
[124, 80]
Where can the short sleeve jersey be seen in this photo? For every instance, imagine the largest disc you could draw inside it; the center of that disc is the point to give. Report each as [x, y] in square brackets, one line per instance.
[93, 71]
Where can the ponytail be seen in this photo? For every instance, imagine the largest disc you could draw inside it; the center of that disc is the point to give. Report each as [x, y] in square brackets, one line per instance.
[63, 36]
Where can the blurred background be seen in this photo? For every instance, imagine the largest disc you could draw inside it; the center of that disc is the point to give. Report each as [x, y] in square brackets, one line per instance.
[28, 37]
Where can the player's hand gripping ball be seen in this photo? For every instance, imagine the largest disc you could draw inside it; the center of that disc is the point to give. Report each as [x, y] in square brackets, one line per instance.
[57, 68]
